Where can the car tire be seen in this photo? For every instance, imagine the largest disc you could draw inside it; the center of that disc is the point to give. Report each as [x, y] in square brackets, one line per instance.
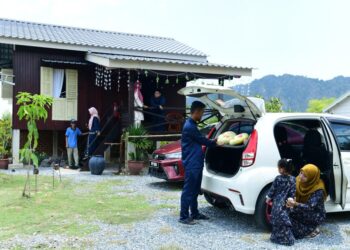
[260, 214]
[214, 202]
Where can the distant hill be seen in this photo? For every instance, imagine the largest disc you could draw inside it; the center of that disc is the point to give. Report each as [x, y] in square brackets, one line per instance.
[295, 91]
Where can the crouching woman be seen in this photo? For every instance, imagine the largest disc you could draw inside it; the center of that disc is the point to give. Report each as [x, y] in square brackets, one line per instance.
[308, 211]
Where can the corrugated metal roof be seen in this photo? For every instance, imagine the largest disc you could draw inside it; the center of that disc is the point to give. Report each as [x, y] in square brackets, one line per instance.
[93, 38]
[162, 60]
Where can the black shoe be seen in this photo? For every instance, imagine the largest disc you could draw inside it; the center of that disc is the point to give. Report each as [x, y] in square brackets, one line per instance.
[188, 221]
[200, 217]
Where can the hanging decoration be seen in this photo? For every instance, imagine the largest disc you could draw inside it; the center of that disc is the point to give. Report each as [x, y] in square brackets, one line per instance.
[106, 77]
[118, 81]
[103, 77]
[99, 75]
[128, 81]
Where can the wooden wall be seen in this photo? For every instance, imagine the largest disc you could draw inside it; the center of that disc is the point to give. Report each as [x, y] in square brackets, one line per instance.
[26, 65]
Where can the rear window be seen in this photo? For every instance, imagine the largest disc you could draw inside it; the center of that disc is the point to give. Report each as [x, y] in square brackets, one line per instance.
[342, 132]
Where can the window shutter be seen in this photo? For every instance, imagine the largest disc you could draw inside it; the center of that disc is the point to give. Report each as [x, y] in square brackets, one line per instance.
[46, 80]
[7, 89]
[72, 108]
[71, 84]
[59, 109]
[72, 93]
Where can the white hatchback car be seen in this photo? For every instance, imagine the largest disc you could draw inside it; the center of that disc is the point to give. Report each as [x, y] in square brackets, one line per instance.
[240, 176]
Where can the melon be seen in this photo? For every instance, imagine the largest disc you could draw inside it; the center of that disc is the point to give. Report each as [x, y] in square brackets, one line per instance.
[225, 138]
[239, 139]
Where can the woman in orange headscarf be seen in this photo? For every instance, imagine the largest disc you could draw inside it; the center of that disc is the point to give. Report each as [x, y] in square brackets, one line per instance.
[308, 210]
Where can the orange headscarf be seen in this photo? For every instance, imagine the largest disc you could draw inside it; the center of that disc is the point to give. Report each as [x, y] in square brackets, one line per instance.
[313, 183]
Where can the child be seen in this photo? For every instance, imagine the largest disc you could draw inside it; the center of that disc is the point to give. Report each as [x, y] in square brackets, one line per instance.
[72, 134]
[283, 187]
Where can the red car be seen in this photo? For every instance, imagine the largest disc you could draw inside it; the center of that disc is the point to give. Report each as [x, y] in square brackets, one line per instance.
[166, 161]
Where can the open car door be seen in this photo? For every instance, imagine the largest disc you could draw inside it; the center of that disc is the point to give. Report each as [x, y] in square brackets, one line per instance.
[228, 102]
[340, 179]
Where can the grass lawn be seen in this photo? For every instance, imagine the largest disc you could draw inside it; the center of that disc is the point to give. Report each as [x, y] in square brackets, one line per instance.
[68, 209]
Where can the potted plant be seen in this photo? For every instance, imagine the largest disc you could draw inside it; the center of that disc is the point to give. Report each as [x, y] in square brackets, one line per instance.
[141, 145]
[5, 141]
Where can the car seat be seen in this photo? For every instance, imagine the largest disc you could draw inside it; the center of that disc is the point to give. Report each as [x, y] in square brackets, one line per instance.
[315, 152]
[285, 149]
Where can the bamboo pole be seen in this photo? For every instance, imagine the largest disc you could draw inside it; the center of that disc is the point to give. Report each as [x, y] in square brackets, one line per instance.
[154, 136]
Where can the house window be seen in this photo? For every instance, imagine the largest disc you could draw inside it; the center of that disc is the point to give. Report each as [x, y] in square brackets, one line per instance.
[62, 85]
[6, 51]
[6, 89]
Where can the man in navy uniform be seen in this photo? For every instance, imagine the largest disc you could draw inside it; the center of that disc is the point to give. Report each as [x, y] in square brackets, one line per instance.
[193, 161]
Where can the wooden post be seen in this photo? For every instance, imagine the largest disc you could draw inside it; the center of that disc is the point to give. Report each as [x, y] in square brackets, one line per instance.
[126, 151]
[131, 97]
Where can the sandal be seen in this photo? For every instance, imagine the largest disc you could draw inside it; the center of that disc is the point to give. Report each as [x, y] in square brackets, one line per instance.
[314, 233]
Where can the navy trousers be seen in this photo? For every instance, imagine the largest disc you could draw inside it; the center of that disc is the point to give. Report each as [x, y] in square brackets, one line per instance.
[190, 192]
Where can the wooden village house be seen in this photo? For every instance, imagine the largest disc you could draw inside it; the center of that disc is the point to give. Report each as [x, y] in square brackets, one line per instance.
[97, 69]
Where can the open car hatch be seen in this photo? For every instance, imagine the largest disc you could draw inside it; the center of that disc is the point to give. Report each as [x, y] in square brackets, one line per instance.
[228, 102]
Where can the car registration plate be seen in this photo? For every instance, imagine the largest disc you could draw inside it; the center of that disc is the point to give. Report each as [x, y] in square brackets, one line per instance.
[153, 164]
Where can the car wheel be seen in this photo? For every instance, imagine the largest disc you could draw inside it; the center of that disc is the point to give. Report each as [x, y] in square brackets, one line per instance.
[263, 211]
[214, 202]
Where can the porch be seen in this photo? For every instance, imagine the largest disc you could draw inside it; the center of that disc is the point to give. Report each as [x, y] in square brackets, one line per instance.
[166, 75]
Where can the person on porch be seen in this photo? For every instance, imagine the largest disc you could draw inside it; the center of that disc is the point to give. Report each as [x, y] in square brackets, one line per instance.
[193, 162]
[157, 107]
[138, 104]
[94, 130]
[72, 134]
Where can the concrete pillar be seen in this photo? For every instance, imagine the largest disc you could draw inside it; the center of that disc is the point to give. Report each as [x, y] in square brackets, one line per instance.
[16, 135]
[54, 144]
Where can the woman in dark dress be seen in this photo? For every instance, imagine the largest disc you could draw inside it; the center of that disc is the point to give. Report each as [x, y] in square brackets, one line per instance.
[157, 106]
[94, 130]
[282, 188]
[308, 211]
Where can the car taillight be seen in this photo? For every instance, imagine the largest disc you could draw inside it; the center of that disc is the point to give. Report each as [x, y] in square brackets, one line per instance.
[249, 154]
[211, 132]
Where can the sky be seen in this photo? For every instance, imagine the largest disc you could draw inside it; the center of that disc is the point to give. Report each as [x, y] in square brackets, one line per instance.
[301, 37]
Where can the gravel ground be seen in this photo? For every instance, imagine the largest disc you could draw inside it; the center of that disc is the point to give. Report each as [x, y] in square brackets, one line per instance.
[225, 230]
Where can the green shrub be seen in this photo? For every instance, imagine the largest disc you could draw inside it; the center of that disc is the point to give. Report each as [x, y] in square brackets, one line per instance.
[5, 136]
